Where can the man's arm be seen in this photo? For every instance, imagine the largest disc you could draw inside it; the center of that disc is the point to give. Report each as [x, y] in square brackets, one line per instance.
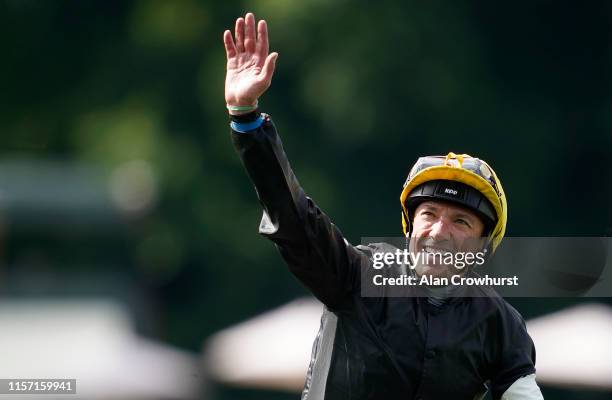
[524, 388]
[310, 243]
[515, 370]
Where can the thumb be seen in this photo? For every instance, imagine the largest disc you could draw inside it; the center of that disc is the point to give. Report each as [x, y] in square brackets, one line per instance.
[269, 65]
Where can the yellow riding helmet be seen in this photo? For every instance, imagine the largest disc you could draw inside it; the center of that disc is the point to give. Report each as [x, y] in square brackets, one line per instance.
[463, 179]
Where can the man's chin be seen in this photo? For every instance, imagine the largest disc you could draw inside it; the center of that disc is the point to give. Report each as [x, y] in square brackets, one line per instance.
[432, 271]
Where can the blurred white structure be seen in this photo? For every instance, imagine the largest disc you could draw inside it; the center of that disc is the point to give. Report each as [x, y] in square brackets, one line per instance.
[269, 351]
[574, 347]
[92, 342]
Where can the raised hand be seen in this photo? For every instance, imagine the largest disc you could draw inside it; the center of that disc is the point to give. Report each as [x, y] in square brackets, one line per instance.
[249, 66]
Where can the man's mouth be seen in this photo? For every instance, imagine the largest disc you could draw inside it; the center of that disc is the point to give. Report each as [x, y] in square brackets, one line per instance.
[435, 250]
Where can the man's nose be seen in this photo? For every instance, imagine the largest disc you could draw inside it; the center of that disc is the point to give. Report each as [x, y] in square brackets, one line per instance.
[440, 230]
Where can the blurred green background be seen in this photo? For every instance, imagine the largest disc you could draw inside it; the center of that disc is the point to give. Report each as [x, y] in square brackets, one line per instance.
[126, 97]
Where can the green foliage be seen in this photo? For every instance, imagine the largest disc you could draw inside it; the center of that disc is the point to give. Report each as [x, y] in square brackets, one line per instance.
[361, 90]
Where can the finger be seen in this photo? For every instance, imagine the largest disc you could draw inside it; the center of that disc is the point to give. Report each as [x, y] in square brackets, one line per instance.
[239, 35]
[268, 68]
[249, 33]
[230, 47]
[262, 39]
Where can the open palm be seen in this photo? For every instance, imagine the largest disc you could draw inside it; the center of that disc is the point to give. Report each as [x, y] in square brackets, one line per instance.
[249, 66]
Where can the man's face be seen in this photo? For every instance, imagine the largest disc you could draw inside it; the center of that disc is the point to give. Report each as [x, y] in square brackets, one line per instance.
[440, 226]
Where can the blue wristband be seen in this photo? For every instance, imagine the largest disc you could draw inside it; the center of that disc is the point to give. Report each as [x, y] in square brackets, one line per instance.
[244, 127]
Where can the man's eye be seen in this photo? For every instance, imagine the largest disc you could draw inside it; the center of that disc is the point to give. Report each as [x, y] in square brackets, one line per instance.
[464, 222]
[427, 213]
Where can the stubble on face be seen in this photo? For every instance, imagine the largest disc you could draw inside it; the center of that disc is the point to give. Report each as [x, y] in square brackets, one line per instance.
[459, 237]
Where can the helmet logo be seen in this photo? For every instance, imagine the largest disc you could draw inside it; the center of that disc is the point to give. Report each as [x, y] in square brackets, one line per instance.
[451, 191]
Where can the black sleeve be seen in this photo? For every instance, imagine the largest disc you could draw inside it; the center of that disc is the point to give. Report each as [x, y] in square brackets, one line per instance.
[312, 246]
[516, 357]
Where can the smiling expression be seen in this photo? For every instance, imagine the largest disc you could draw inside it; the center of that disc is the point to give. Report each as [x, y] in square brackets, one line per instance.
[441, 226]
